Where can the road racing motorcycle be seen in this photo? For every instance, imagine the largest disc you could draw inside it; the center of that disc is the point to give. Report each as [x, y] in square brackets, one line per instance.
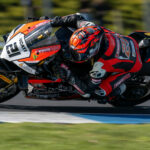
[28, 58]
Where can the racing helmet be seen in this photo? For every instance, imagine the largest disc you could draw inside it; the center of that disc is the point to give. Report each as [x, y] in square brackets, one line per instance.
[85, 43]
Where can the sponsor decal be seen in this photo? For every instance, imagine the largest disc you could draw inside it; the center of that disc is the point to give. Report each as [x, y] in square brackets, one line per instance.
[28, 69]
[22, 45]
[35, 57]
[48, 49]
[25, 67]
[123, 48]
[33, 62]
[21, 64]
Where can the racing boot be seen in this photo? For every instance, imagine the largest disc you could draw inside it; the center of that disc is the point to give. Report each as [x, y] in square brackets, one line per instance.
[117, 91]
[103, 98]
[100, 96]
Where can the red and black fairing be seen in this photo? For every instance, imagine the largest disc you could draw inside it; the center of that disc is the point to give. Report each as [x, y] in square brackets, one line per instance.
[49, 89]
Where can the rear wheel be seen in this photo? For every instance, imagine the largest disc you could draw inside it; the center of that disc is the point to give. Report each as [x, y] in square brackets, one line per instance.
[134, 95]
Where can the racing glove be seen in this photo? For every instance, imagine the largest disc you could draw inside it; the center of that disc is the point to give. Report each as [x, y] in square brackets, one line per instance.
[69, 21]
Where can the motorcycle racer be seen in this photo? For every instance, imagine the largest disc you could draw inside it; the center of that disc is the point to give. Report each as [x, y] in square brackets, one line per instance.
[116, 57]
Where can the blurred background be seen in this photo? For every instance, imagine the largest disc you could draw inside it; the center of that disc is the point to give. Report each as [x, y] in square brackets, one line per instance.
[122, 16]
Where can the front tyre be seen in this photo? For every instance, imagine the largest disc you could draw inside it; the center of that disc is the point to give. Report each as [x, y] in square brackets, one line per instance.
[8, 87]
[9, 93]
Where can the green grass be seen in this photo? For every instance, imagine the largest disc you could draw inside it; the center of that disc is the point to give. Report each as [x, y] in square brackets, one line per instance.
[38, 136]
[130, 17]
[12, 13]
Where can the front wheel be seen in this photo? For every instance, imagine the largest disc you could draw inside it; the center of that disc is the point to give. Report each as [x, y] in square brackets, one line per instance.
[9, 93]
[134, 95]
[8, 87]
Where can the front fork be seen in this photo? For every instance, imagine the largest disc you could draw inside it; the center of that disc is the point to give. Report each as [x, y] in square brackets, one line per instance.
[23, 82]
[8, 82]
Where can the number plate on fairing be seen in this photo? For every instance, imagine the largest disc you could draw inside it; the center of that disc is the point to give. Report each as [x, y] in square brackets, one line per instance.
[15, 49]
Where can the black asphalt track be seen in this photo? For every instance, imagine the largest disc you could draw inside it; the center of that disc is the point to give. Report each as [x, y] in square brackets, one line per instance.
[19, 103]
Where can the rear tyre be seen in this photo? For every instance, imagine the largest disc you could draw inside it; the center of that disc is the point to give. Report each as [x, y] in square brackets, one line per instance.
[134, 95]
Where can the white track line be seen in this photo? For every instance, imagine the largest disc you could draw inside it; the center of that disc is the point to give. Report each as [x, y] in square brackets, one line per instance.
[45, 117]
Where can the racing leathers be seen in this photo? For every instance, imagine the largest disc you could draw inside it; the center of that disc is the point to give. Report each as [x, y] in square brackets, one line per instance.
[117, 59]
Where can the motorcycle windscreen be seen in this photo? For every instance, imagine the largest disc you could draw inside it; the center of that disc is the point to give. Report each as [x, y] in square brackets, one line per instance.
[38, 36]
[42, 44]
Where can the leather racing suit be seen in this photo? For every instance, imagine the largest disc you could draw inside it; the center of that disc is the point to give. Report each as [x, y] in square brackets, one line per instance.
[115, 62]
